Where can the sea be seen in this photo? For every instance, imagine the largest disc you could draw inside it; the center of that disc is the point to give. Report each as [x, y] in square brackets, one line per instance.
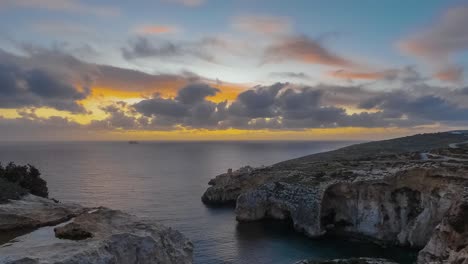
[165, 180]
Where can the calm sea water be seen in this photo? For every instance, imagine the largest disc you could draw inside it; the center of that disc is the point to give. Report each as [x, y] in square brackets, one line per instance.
[165, 180]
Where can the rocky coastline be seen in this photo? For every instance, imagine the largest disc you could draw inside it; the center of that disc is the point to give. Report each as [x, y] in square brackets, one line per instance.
[35, 229]
[408, 192]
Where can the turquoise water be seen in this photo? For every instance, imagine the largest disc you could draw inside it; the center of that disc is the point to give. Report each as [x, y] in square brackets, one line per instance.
[165, 180]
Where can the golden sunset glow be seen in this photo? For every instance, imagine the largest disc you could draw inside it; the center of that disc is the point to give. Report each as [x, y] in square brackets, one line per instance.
[203, 70]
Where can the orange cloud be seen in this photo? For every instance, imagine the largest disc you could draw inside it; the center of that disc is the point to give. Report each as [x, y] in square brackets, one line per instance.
[63, 5]
[122, 83]
[305, 50]
[450, 74]
[262, 24]
[156, 29]
[439, 43]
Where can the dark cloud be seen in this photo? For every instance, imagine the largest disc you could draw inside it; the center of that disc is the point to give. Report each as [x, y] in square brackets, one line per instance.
[30, 127]
[281, 106]
[142, 47]
[197, 92]
[257, 102]
[427, 107]
[289, 75]
[304, 49]
[189, 108]
[24, 84]
[161, 106]
[287, 106]
[119, 117]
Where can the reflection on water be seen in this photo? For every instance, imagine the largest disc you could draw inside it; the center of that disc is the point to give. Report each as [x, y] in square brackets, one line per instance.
[165, 180]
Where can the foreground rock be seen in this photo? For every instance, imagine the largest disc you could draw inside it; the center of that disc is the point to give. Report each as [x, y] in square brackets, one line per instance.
[111, 237]
[348, 261]
[37, 230]
[390, 192]
[33, 211]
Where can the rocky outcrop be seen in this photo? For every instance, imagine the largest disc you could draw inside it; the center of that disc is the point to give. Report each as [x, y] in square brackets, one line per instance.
[33, 211]
[390, 192]
[348, 261]
[225, 188]
[38, 230]
[111, 237]
[449, 241]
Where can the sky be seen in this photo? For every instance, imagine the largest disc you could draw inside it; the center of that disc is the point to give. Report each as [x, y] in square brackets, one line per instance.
[231, 69]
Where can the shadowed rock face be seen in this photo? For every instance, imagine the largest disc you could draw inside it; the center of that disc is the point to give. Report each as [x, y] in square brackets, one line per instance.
[390, 192]
[449, 242]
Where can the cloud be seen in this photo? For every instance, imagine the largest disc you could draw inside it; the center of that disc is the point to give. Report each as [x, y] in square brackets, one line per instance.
[72, 6]
[144, 48]
[450, 74]
[262, 24]
[189, 108]
[426, 107]
[155, 29]
[189, 3]
[362, 75]
[441, 41]
[24, 84]
[304, 49]
[281, 106]
[290, 75]
[121, 79]
[194, 93]
[284, 106]
[407, 75]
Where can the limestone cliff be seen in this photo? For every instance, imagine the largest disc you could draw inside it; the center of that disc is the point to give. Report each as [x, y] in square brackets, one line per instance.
[391, 192]
[449, 241]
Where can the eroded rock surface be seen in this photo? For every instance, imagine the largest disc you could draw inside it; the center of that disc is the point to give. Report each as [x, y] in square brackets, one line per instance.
[32, 211]
[116, 238]
[449, 242]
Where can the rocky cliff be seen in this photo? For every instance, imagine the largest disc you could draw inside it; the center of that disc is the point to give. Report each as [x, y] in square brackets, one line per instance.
[38, 230]
[390, 192]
